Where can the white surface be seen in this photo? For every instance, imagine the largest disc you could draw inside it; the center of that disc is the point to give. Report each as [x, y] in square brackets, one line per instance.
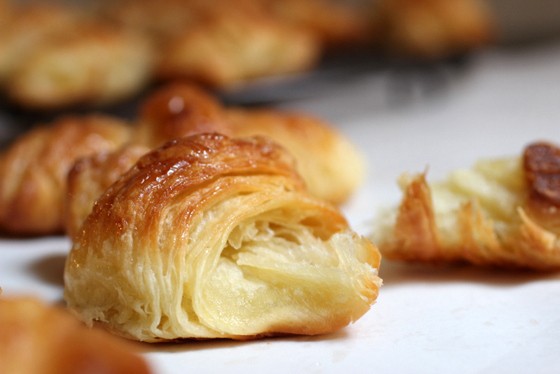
[426, 320]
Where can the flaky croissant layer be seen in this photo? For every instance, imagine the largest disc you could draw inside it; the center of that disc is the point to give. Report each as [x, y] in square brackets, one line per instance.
[499, 213]
[213, 237]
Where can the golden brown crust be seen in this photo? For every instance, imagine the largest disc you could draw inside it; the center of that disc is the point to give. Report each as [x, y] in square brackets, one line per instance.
[33, 170]
[178, 110]
[212, 237]
[88, 179]
[330, 165]
[433, 28]
[66, 69]
[38, 338]
[229, 48]
[484, 216]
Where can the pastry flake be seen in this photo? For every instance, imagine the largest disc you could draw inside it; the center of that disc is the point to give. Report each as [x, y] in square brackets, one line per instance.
[498, 213]
[213, 237]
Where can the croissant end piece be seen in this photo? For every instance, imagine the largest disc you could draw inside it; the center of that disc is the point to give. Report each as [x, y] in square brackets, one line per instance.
[212, 237]
[38, 338]
[501, 213]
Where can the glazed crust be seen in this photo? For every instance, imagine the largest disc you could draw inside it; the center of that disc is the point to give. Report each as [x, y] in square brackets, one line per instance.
[488, 215]
[39, 338]
[33, 170]
[212, 237]
[330, 165]
[88, 179]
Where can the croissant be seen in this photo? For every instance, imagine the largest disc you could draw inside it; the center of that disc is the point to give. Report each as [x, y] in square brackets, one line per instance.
[229, 48]
[39, 338]
[330, 165]
[33, 170]
[213, 237]
[24, 27]
[66, 69]
[500, 213]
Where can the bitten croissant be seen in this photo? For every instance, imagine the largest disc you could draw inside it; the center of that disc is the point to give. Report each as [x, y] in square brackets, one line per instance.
[213, 237]
[39, 338]
[500, 213]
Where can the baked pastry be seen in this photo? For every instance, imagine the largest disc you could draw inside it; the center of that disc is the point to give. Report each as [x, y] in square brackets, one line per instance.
[501, 213]
[39, 338]
[330, 165]
[215, 237]
[34, 168]
[229, 48]
[94, 64]
[90, 177]
[24, 27]
[177, 110]
[334, 24]
[433, 29]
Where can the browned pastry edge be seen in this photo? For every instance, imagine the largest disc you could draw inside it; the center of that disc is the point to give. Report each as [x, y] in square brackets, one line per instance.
[526, 240]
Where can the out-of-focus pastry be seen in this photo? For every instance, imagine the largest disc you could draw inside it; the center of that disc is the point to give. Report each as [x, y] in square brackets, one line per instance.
[502, 213]
[93, 64]
[26, 26]
[433, 28]
[235, 47]
[39, 338]
[215, 237]
[90, 177]
[333, 23]
[34, 168]
[178, 110]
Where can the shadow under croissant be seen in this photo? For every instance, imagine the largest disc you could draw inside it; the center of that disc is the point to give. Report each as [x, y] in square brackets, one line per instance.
[397, 273]
[49, 269]
[191, 345]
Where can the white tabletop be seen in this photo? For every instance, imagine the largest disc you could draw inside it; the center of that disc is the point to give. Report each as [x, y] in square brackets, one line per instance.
[426, 320]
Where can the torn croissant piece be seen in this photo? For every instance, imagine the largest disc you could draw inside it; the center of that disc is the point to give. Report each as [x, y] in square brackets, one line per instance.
[34, 168]
[90, 177]
[501, 213]
[213, 237]
[39, 338]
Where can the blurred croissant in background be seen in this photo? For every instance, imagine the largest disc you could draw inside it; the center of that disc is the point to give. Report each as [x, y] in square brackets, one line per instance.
[58, 56]
[34, 169]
